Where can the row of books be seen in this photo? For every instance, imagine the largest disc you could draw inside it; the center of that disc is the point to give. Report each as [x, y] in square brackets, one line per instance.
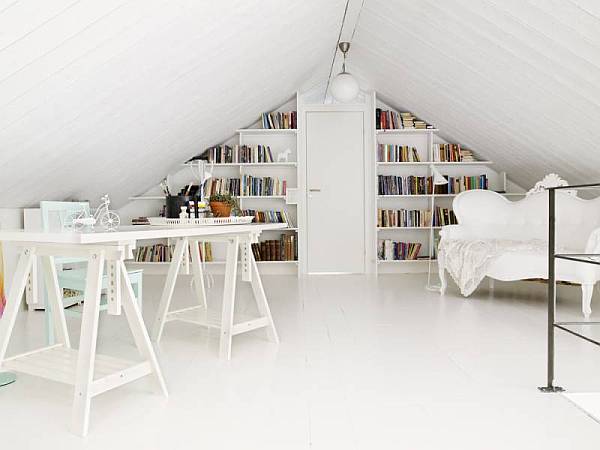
[269, 216]
[452, 153]
[263, 186]
[447, 153]
[414, 185]
[408, 185]
[397, 153]
[391, 120]
[245, 186]
[225, 154]
[279, 120]
[388, 250]
[415, 217]
[443, 217]
[460, 184]
[164, 252]
[283, 249]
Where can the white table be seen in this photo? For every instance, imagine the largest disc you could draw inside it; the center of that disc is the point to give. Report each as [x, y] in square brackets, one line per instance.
[92, 373]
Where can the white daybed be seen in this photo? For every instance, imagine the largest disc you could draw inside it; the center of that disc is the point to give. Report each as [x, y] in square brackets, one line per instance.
[507, 240]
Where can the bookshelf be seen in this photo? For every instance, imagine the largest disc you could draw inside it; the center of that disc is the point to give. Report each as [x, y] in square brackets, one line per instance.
[394, 163]
[279, 141]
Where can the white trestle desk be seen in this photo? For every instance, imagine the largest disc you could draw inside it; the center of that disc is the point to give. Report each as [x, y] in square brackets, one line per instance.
[92, 373]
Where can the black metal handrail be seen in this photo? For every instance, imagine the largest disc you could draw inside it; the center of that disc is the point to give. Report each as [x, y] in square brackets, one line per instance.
[552, 256]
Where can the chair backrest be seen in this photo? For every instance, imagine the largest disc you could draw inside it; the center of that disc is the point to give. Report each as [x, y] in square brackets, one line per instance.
[491, 215]
[53, 218]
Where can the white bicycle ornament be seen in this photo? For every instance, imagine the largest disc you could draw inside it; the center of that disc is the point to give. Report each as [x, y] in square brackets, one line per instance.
[108, 219]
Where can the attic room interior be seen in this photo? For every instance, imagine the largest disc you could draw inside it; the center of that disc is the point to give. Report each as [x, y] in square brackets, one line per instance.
[339, 224]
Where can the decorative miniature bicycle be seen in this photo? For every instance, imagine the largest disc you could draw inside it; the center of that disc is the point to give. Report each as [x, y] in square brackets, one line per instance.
[108, 219]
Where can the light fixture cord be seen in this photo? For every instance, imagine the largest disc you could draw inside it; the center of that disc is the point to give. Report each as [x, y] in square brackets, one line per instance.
[335, 51]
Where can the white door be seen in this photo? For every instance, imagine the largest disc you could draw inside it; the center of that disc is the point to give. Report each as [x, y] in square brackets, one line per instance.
[335, 181]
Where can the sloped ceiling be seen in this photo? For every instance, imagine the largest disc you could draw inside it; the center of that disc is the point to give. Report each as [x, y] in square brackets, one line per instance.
[109, 96]
[518, 81]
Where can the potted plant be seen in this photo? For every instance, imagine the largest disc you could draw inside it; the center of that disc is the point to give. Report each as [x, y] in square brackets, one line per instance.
[222, 204]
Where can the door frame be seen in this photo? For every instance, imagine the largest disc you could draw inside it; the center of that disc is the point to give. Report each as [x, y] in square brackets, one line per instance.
[367, 108]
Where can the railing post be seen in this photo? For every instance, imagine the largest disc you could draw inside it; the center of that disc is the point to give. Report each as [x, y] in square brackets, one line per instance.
[551, 291]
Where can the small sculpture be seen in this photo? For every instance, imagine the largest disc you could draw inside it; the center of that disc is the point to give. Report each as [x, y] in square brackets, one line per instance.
[108, 219]
[183, 214]
[284, 156]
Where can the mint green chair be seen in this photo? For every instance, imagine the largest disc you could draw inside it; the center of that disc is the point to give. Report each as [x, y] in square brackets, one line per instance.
[73, 275]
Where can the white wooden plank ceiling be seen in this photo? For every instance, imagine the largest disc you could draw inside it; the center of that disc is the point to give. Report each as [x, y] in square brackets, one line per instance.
[518, 81]
[109, 96]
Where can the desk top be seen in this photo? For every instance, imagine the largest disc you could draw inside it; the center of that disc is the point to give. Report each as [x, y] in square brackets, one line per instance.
[134, 233]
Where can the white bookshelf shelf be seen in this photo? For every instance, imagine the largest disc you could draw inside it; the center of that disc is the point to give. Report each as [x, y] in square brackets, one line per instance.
[259, 196]
[404, 261]
[407, 228]
[407, 131]
[425, 163]
[507, 194]
[148, 197]
[417, 196]
[271, 164]
[163, 263]
[290, 131]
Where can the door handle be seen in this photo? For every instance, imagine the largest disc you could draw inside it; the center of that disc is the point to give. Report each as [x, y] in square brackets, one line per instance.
[314, 190]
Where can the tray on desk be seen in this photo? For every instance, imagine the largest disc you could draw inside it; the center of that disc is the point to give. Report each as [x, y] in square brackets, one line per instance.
[204, 221]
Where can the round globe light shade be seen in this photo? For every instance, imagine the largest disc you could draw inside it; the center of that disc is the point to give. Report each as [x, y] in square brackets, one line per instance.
[344, 87]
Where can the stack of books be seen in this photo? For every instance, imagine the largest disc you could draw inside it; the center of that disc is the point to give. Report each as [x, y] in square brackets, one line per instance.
[224, 154]
[397, 153]
[407, 120]
[265, 186]
[388, 250]
[269, 216]
[466, 155]
[283, 249]
[140, 221]
[279, 120]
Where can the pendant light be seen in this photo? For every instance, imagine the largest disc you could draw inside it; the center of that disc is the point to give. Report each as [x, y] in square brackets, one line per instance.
[344, 86]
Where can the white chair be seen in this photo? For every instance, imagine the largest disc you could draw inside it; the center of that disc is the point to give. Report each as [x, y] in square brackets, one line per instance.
[69, 273]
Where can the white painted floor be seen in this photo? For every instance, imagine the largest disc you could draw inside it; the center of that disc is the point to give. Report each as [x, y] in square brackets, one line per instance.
[363, 363]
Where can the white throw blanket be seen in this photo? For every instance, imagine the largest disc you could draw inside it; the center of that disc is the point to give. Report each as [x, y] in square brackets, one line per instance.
[467, 261]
